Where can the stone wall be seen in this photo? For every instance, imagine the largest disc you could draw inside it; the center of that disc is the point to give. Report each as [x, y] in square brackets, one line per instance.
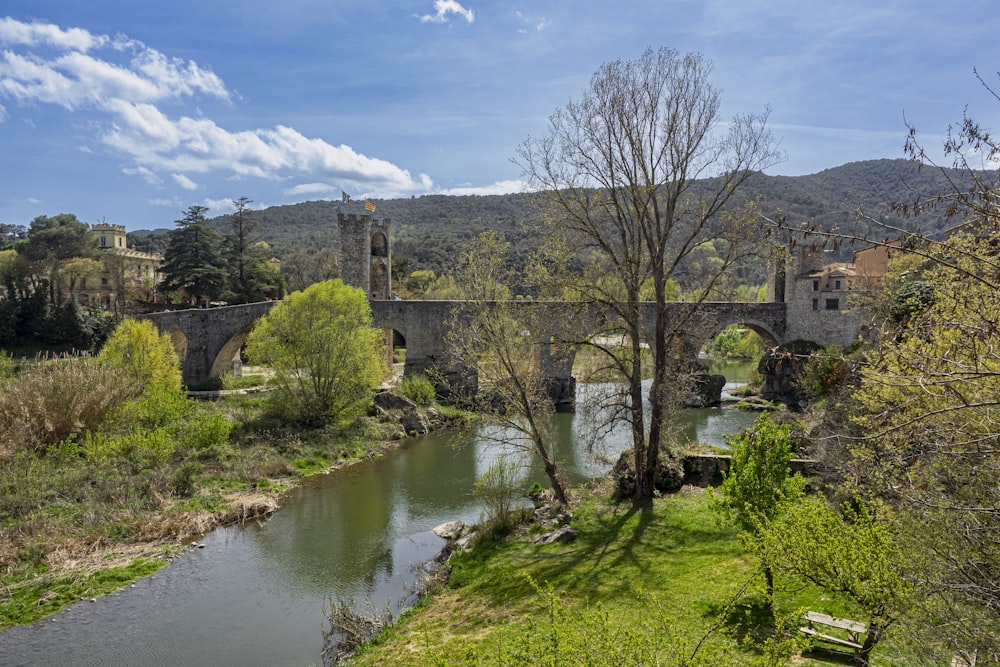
[706, 470]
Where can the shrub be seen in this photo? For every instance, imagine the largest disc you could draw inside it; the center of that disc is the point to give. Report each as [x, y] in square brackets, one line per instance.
[140, 352]
[50, 401]
[498, 490]
[417, 388]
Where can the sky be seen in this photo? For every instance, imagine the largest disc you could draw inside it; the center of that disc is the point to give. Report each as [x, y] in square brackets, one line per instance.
[129, 112]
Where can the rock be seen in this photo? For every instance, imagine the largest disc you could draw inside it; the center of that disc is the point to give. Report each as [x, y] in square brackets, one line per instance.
[464, 543]
[563, 535]
[450, 530]
[552, 514]
[708, 390]
[414, 423]
[390, 401]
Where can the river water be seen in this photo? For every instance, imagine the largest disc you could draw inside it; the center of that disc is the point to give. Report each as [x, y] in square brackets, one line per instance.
[255, 595]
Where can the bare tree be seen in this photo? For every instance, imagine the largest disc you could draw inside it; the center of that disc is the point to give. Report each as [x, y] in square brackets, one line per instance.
[621, 166]
[496, 337]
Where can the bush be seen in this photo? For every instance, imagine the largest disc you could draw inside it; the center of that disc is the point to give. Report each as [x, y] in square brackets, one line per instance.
[50, 401]
[139, 352]
[498, 489]
[417, 388]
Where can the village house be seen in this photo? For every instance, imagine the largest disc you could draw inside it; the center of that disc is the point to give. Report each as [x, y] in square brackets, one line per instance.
[129, 275]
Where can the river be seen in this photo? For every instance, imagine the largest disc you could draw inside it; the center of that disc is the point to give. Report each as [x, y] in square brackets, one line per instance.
[255, 594]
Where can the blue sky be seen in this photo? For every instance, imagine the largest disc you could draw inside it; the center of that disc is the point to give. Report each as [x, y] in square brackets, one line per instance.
[129, 112]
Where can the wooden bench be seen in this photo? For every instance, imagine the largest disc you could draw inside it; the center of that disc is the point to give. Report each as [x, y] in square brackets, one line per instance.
[854, 629]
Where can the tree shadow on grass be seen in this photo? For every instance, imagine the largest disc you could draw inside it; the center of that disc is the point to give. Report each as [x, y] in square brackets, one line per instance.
[749, 619]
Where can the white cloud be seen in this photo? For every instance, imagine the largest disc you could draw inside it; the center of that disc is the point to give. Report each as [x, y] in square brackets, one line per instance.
[3, 113]
[218, 207]
[147, 174]
[172, 202]
[445, 7]
[184, 182]
[90, 74]
[311, 189]
[497, 188]
[45, 34]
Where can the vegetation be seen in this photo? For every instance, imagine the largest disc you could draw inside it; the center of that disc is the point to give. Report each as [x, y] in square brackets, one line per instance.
[492, 337]
[498, 488]
[193, 258]
[326, 356]
[105, 470]
[850, 552]
[660, 584]
[759, 484]
[620, 166]
[736, 342]
[251, 276]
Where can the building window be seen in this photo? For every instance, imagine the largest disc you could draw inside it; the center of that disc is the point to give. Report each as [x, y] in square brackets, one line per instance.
[815, 304]
[815, 286]
[833, 304]
[836, 285]
[104, 282]
[104, 242]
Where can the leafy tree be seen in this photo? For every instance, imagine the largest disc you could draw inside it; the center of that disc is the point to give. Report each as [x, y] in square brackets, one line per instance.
[326, 356]
[494, 337]
[928, 399]
[52, 241]
[759, 483]
[79, 269]
[620, 167]
[139, 352]
[193, 261]
[851, 552]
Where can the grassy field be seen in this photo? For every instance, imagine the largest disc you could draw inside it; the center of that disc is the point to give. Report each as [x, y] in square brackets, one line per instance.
[664, 584]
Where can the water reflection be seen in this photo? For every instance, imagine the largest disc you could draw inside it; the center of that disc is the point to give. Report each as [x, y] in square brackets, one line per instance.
[255, 595]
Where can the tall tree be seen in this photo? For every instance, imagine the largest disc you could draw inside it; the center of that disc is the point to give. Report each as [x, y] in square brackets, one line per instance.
[250, 278]
[193, 260]
[620, 167]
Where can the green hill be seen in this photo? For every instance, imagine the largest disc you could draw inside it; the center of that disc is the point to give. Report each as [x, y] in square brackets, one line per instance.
[427, 230]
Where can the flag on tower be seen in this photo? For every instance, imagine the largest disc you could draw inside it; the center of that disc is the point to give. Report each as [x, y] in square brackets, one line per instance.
[345, 198]
[369, 206]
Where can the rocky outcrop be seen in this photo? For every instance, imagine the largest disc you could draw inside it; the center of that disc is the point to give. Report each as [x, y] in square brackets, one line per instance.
[707, 391]
[781, 368]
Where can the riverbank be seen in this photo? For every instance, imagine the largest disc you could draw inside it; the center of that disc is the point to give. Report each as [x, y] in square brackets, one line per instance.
[85, 528]
[665, 583]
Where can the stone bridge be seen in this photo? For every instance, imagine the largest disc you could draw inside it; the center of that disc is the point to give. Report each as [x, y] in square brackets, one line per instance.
[208, 341]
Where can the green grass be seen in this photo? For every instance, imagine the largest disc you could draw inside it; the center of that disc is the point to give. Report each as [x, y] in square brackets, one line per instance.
[44, 595]
[654, 580]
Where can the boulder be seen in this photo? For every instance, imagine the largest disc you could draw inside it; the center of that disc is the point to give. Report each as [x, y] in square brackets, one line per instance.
[450, 530]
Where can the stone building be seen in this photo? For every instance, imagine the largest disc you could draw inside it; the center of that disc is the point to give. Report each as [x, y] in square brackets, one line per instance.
[818, 294]
[365, 254]
[129, 275]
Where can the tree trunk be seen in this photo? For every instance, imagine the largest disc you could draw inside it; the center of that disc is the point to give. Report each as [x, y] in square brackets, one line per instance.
[871, 639]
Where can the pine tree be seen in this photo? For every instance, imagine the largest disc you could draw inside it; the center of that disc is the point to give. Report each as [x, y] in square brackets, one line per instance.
[193, 260]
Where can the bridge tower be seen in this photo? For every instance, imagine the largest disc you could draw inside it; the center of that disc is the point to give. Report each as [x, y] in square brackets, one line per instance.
[366, 254]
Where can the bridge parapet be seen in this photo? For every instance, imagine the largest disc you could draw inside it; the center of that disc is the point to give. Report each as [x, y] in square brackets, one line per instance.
[208, 340]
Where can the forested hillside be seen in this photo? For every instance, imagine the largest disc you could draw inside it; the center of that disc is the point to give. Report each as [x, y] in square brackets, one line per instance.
[427, 230]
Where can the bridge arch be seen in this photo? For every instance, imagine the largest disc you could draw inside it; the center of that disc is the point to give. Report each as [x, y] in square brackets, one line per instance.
[228, 357]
